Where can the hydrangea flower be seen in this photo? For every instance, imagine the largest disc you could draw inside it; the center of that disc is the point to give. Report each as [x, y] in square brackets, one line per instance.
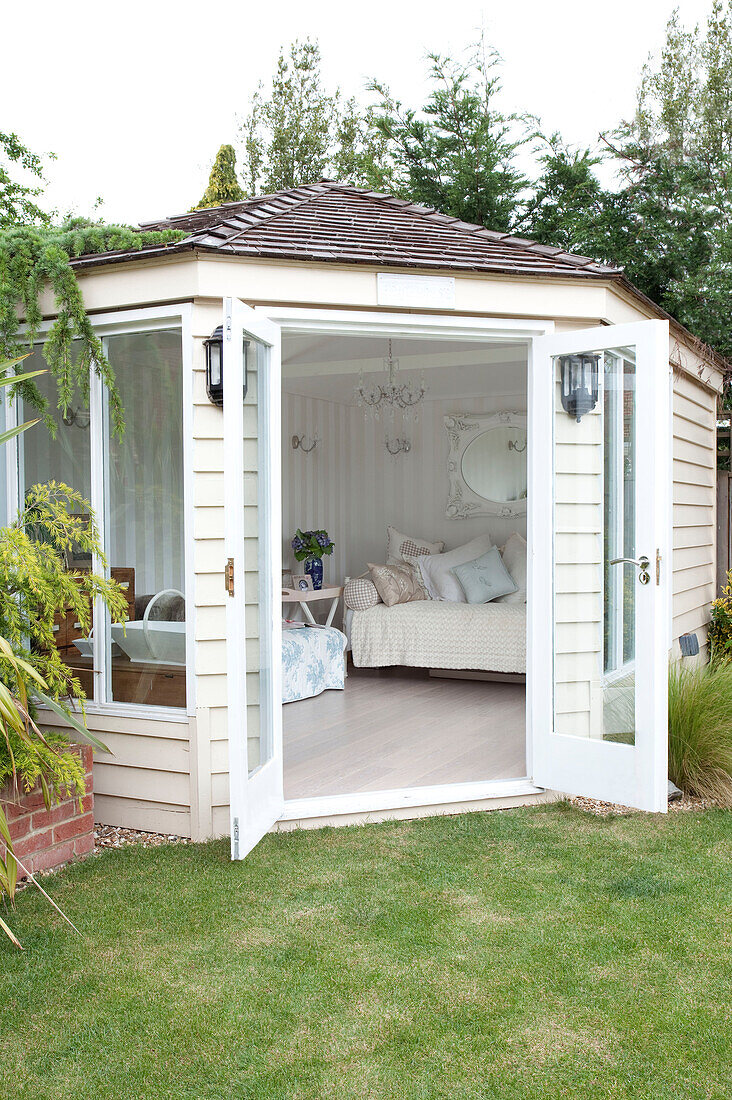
[311, 544]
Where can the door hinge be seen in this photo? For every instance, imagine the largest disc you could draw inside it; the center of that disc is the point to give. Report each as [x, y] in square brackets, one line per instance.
[658, 566]
[235, 837]
[230, 576]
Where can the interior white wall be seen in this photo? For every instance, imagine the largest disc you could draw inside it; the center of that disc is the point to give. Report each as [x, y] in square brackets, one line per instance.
[351, 486]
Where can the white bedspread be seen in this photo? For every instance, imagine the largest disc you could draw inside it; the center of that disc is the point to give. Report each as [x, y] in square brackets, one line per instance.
[432, 634]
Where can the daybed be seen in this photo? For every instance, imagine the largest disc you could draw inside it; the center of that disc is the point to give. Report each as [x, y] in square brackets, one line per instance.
[489, 637]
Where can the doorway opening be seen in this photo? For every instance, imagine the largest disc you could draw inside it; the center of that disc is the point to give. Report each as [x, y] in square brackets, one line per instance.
[410, 454]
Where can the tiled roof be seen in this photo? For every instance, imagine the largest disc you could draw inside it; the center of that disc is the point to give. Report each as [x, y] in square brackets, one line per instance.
[334, 222]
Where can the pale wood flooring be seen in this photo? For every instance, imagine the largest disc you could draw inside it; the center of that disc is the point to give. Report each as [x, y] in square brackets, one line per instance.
[401, 728]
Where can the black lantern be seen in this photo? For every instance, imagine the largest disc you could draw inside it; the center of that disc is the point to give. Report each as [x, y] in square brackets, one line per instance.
[578, 374]
[215, 366]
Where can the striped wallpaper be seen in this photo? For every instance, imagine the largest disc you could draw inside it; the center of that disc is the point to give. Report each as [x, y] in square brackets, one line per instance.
[351, 486]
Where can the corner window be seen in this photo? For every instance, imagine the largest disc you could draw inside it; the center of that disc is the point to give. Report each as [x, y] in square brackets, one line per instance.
[144, 521]
[137, 496]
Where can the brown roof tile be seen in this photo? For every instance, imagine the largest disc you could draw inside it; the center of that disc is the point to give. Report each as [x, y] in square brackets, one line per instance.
[340, 223]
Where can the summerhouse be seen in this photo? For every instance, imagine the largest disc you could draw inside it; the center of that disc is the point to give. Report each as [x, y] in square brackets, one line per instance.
[513, 453]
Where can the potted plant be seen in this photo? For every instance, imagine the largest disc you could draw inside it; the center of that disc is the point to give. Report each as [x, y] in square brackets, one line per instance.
[310, 547]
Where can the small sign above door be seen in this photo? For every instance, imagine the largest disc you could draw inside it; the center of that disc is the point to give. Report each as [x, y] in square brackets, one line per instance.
[424, 291]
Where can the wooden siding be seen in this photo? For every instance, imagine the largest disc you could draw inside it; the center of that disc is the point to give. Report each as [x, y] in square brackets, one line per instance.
[146, 781]
[694, 507]
[212, 759]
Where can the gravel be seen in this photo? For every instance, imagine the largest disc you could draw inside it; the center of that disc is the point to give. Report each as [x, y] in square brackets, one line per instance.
[114, 836]
[685, 804]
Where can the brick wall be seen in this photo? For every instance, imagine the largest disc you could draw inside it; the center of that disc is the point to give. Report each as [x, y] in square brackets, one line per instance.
[44, 839]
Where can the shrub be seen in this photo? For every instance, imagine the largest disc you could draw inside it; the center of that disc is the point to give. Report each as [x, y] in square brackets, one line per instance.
[700, 729]
[720, 628]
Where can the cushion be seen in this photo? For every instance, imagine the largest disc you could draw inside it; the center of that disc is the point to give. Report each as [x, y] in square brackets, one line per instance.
[486, 578]
[400, 547]
[514, 558]
[436, 570]
[398, 583]
[360, 594]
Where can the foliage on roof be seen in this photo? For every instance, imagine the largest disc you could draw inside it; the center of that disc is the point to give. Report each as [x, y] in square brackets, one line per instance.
[36, 256]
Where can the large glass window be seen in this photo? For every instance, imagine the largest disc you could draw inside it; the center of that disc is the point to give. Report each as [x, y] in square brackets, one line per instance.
[67, 459]
[139, 507]
[144, 521]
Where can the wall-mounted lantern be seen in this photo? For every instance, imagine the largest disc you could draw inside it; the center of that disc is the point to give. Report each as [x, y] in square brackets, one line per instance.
[215, 366]
[579, 383]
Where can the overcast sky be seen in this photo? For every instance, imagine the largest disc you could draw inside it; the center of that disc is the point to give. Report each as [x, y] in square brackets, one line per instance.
[135, 98]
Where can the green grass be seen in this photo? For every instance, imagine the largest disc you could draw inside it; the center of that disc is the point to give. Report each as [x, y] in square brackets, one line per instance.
[527, 954]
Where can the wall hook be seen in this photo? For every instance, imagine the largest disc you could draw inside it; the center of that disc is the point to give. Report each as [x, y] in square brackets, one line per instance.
[298, 442]
[397, 446]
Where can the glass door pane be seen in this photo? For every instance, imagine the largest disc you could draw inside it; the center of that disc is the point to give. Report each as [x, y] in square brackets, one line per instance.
[595, 508]
[256, 490]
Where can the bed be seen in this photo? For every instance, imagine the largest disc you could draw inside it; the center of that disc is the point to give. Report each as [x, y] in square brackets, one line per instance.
[489, 637]
[312, 661]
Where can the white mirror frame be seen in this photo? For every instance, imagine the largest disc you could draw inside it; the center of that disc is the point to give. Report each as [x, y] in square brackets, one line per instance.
[462, 429]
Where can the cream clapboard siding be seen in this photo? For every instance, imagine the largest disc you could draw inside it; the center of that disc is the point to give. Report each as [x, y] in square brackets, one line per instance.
[145, 782]
[578, 518]
[694, 506]
[212, 761]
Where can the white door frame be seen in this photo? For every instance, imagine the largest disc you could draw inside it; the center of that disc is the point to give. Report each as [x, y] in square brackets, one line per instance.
[349, 322]
[634, 775]
[256, 799]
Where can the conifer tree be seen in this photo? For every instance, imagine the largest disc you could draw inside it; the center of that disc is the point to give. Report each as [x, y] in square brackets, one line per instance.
[223, 186]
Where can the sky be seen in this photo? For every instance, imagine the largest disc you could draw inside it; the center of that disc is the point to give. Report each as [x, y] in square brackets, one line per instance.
[135, 98]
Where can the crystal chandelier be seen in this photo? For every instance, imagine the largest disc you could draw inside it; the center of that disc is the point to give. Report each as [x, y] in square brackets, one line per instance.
[391, 396]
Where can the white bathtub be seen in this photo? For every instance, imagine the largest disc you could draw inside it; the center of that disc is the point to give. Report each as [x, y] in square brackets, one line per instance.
[152, 642]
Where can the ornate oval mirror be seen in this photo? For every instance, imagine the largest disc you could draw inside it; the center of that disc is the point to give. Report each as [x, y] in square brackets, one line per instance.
[487, 464]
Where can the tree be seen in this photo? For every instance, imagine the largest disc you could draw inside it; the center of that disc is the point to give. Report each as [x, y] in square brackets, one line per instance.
[459, 152]
[569, 207]
[287, 136]
[675, 163]
[360, 155]
[17, 200]
[223, 185]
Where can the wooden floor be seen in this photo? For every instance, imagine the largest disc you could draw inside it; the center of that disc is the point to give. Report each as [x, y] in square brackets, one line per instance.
[402, 728]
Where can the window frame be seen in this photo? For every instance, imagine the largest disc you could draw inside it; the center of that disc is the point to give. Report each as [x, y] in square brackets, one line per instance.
[126, 322]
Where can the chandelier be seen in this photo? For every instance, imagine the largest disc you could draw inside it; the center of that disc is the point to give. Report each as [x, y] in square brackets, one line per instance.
[390, 396]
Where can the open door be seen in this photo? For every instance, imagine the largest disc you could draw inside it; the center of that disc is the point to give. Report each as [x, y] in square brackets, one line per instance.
[600, 568]
[252, 533]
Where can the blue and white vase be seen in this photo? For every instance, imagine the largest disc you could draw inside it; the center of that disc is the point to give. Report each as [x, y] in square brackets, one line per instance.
[314, 566]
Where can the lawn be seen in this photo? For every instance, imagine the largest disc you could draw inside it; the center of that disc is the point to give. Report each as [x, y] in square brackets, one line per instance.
[526, 954]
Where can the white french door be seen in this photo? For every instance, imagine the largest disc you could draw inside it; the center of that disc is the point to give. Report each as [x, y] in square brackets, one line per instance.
[600, 569]
[253, 543]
